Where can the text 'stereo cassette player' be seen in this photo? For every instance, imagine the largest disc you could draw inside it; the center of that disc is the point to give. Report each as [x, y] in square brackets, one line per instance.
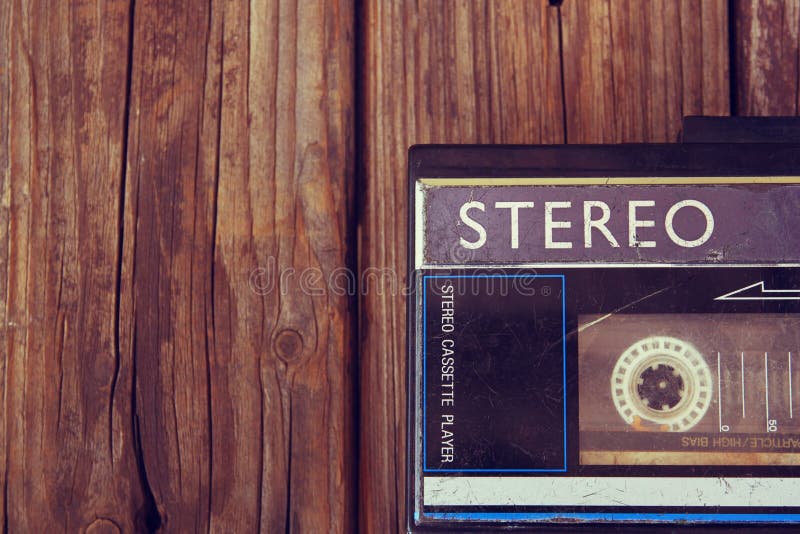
[604, 334]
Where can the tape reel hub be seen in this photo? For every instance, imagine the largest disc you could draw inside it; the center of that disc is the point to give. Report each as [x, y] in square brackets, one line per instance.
[664, 381]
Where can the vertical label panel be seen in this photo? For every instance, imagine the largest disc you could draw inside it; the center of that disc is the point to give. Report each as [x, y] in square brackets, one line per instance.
[494, 373]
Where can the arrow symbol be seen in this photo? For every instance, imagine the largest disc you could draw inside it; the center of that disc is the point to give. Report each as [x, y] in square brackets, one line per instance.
[757, 292]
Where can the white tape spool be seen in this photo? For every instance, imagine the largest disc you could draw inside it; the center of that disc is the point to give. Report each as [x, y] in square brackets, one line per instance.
[663, 380]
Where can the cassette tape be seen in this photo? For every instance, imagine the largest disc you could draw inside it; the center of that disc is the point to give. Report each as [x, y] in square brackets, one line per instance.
[604, 335]
[684, 389]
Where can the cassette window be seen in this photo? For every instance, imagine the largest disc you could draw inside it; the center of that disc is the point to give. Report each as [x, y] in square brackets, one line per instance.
[683, 389]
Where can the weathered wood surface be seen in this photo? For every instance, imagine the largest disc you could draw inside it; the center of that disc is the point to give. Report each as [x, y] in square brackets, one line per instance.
[633, 69]
[240, 167]
[766, 57]
[67, 444]
[155, 370]
[163, 163]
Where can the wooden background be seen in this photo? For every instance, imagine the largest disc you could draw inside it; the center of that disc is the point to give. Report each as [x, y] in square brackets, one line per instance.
[202, 226]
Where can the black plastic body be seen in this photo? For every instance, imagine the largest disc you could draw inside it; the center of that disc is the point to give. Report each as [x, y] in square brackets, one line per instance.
[695, 157]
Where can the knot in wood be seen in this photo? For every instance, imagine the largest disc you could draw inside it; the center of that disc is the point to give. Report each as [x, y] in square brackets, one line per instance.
[103, 525]
[288, 344]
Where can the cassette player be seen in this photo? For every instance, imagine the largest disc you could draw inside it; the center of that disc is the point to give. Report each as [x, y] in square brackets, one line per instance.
[604, 335]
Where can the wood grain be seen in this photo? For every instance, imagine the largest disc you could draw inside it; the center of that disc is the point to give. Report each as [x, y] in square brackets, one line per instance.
[67, 456]
[167, 264]
[767, 52]
[178, 240]
[433, 72]
[239, 208]
[634, 68]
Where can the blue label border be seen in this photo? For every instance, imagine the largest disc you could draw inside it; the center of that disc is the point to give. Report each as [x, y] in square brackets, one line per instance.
[616, 517]
[425, 468]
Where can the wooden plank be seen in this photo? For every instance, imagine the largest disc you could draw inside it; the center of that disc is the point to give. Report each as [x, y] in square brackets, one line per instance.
[239, 207]
[767, 69]
[633, 68]
[66, 446]
[434, 72]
